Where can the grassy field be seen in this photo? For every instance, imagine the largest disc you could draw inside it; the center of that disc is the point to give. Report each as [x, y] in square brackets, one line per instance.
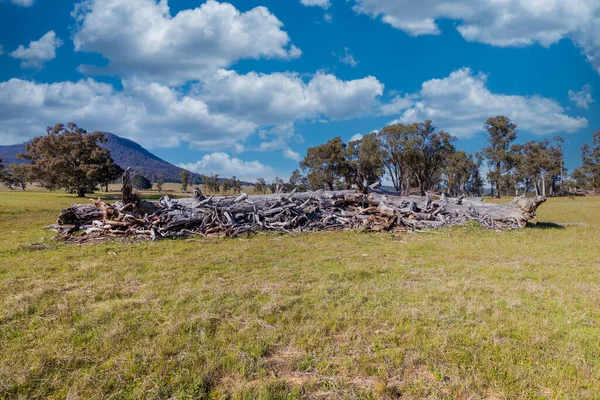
[458, 313]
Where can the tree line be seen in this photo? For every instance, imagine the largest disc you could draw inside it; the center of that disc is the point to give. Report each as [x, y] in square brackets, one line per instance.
[418, 157]
[415, 158]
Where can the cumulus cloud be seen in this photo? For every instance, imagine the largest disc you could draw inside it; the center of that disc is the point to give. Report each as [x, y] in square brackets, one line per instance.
[220, 113]
[141, 38]
[498, 23]
[226, 166]
[279, 98]
[324, 4]
[461, 103]
[23, 3]
[356, 137]
[38, 52]
[582, 98]
[152, 114]
[291, 154]
[397, 104]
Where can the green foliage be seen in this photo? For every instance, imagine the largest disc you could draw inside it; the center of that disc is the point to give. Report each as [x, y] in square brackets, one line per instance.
[588, 175]
[538, 162]
[395, 142]
[463, 175]
[212, 183]
[260, 187]
[365, 160]
[185, 178]
[70, 158]
[326, 164]
[159, 183]
[298, 181]
[427, 155]
[5, 178]
[501, 132]
[140, 182]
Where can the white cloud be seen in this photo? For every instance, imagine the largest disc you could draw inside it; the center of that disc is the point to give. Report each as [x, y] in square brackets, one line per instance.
[219, 114]
[280, 98]
[291, 154]
[395, 106]
[23, 3]
[151, 114]
[324, 4]
[226, 166]
[1, 50]
[328, 18]
[498, 22]
[347, 58]
[141, 38]
[461, 103]
[356, 137]
[582, 98]
[39, 51]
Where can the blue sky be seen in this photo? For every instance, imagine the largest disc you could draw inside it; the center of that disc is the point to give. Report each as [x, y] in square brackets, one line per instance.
[244, 88]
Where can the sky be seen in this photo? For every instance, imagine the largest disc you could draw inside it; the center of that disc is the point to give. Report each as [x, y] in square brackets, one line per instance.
[245, 88]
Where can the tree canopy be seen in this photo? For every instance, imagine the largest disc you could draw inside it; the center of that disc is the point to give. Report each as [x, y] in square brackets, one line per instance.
[501, 132]
[69, 157]
[140, 182]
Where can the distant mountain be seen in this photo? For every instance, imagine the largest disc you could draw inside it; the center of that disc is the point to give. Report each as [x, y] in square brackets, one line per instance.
[125, 152]
[8, 154]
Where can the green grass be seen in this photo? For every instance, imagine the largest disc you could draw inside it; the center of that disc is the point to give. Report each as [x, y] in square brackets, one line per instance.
[458, 313]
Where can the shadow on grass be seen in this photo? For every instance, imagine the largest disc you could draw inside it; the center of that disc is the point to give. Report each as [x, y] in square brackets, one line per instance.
[544, 225]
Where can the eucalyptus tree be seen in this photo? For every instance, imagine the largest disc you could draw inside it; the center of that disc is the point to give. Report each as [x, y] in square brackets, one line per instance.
[69, 157]
[501, 132]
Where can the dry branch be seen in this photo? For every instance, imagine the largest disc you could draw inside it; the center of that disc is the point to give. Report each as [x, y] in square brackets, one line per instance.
[378, 210]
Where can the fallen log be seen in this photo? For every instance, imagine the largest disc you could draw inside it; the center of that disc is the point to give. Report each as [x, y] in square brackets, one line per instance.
[226, 216]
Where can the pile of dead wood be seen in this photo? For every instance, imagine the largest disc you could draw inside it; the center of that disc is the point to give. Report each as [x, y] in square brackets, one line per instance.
[377, 210]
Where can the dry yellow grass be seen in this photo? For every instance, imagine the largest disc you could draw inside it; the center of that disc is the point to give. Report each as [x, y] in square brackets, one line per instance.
[457, 313]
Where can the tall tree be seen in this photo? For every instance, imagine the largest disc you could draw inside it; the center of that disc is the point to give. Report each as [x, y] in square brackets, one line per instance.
[588, 175]
[298, 181]
[70, 158]
[326, 164]
[540, 165]
[185, 180]
[365, 160]
[159, 183]
[427, 154]
[226, 185]
[395, 141]
[212, 183]
[501, 132]
[236, 184]
[260, 186]
[463, 175]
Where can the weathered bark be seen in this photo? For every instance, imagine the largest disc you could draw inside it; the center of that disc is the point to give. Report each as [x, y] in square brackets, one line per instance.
[378, 210]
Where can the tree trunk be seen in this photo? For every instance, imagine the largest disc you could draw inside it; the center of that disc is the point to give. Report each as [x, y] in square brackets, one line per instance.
[544, 185]
[81, 192]
[498, 178]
